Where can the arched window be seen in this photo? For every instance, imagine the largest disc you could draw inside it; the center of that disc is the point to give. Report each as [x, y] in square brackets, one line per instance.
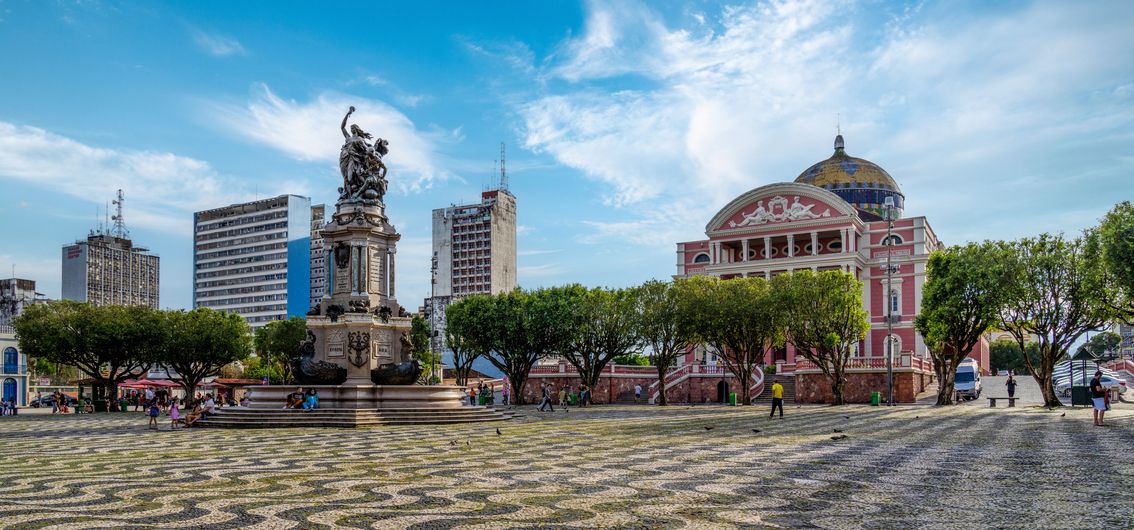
[701, 258]
[891, 240]
[11, 360]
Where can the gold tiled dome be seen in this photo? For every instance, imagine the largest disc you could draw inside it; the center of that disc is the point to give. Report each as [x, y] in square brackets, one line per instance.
[859, 182]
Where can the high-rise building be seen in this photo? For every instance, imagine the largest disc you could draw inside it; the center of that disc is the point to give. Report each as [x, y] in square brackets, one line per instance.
[475, 248]
[15, 295]
[108, 269]
[318, 257]
[254, 259]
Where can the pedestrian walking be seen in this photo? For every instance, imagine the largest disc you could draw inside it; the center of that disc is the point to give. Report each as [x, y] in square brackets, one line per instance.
[174, 414]
[637, 393]
[1098, 398]
[1011, 384]
[545, 391]
[505, 392]
[562, 396]
[777, 398]
[154, 412]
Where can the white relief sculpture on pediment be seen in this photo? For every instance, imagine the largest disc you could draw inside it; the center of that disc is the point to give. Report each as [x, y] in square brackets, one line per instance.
[797, 211]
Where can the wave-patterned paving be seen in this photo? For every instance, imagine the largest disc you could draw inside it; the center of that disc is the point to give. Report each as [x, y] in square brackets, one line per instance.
[615, 467]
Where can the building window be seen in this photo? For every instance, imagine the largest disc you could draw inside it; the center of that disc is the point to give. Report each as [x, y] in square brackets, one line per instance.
[891, 240]
[701, 258]
[11, 360]
[835, 245]
[895, 302]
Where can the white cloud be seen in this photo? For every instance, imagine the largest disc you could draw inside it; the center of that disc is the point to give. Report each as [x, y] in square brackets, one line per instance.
[681, 119]
[534, 252]
[160, 187]
[309, 131]
[218, 45]
[532, 273]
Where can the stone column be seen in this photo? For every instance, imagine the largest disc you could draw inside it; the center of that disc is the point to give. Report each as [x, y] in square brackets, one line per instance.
[744, 250]
[393, 251]
[791, 245]
[814, 243]
[843, 235]
[767, 247]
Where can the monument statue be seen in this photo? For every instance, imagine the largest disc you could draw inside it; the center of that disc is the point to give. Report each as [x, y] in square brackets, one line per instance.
[308, 371]
[364, 173]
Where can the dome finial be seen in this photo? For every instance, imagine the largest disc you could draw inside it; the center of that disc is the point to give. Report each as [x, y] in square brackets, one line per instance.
[838, 131]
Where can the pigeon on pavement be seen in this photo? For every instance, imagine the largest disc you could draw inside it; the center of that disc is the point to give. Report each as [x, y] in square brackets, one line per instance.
[498, 433]
[708, 428]
[839, 437]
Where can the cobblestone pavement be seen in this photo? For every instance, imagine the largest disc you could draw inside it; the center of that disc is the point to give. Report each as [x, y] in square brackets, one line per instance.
[901, 467]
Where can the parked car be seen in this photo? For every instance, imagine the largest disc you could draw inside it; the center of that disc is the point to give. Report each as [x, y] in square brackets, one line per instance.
[45, 401]
[1002, 373]
[1063, 387]
[967, 381]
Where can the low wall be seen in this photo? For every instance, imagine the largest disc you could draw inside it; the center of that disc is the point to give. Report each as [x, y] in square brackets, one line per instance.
[816, 388]
[362, 396]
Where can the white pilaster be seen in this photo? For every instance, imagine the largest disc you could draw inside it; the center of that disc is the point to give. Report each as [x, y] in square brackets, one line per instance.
[744, 250]
[791, 245]
[814, 243]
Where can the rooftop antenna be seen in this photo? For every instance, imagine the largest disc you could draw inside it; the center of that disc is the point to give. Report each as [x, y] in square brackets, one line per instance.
[106, 220]
[503, 173]
[838, 123]
[120, 230]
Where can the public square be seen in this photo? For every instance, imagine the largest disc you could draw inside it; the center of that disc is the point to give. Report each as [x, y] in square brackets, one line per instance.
[610, 466]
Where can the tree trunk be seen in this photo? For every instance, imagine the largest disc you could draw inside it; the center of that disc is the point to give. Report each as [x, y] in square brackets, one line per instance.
[518, 381]
[837, 387]
[1050, 400]
[745, 381]
[661, 386]
[946, 379]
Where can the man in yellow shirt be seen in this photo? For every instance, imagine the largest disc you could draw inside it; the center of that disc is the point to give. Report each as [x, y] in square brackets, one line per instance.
[777, 398]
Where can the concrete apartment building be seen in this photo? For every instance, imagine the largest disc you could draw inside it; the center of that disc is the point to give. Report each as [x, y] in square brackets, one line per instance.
[16, 294]
[254, 259]
[108, 269]
[318, 257]
[475, 247]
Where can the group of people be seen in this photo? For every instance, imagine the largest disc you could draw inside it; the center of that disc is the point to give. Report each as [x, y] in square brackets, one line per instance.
[485, 390]
[547, 390]
[199, 408]
[8, 407]
[300, 399]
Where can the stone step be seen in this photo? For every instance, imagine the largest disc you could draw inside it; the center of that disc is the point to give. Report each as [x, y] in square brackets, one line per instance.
[348, 418]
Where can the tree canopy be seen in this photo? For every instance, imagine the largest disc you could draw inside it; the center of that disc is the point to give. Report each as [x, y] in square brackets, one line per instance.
[965, 288]
[604, 326]
[277, 342]
[202, 341]
[660, 307]
[1056, 294]
[825, 320]
[462, 320]
[1113, 243]
[109, 344]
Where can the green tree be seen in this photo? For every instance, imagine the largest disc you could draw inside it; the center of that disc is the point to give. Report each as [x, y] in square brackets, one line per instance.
[965, 288]
[1113, 243]
[631, 359]
[1103, 345]
[662, 326]
[278, 342]
[257, 367]
[461, 321]
[604, 327]
[824, 319]
[1006, 355]
[1057, 293]
[200, 342]
[420, 333]
[740, 319]
[109, 344]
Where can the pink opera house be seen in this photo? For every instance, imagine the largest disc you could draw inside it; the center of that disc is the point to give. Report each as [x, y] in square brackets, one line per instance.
[832, 217]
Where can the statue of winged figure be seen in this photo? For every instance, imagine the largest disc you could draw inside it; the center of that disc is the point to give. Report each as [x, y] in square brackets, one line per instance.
[360, 162]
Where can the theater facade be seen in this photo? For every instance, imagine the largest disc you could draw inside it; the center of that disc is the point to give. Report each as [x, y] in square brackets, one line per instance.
[833, 216]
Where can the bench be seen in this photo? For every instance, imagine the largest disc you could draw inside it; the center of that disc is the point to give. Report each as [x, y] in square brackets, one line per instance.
[1011, 401]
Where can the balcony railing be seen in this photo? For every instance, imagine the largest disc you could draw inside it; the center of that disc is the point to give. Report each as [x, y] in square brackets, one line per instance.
[15, 369]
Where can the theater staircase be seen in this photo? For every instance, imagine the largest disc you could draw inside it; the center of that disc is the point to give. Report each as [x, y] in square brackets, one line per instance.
[788, 383]
[240, 417]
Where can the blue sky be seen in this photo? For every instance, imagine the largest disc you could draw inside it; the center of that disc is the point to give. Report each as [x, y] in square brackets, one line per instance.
[628, 124]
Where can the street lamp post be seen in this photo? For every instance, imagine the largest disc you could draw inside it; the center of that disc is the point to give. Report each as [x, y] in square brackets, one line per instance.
[433, 320]
[889, 203]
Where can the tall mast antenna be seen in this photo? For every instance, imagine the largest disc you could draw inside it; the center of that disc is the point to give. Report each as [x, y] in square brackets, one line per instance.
[503, 172]
[120, 230]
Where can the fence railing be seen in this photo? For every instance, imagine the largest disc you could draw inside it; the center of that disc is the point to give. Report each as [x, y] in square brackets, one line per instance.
[905, 360]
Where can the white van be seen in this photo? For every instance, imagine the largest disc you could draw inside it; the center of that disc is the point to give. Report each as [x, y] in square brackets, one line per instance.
[967, 381]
